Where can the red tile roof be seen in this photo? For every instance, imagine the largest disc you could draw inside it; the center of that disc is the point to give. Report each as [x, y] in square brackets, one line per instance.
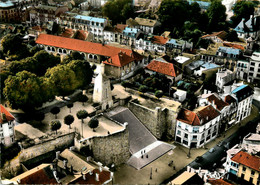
[233, 45]
[159, 40]
[248, 160]
[91, 179]
[198, 118]
[189, 117]
[42, 176]
[220, 104]
[9, 116]
[67, 33]
[162, 67]
[218, 182]
[37, 28]
[222, 35]
[82, 35]
[79, 45]
[229, 99]
[121, 59]
[120, 27]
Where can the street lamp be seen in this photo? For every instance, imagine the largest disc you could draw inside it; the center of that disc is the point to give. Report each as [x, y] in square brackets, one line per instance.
[188, 155]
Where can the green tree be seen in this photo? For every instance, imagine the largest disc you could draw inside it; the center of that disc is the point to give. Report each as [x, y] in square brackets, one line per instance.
[83, 71]
[216, 14]
[242, 9]
[11, 43]
[55, 111]
[158, 94]
[76, 55]
[55, 125]
[24, 91]
[143, 89]
[3, 76]
[232, 36]
[118, 10]
[70, 105]
[39, 116]
[83, 99]
[62, 79]
[93, 123]
[125, 84]
[68, 120]
[82, 114]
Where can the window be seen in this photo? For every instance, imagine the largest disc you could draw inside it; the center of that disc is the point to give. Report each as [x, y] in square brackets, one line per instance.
[244, 169]
[185, 135]
[194, 137]
[179, 124]
[186, 127]
[252, 172]
[195, 129]
[179, 132]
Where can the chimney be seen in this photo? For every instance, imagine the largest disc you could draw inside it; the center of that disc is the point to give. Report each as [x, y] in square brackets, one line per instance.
[188, 169]
[19, 181]
[90, 172]
[100, 169]
[57, 154]
[199, 169]
[207, 118]
[84, 177]
[111, 175]
[65, 162]
[97, 177]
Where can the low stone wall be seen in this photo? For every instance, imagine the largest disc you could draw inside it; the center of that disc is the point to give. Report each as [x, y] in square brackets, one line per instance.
[38, 150]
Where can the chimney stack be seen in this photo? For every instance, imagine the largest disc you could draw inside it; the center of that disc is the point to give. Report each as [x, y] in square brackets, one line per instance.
[100, 169]
[84, 176]
[97, 177]
[57, 154]
[65, 162]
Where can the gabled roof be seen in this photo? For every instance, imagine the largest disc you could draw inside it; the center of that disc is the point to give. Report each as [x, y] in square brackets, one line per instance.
[229, 99]
[218, 182]
[220, 104]
[162, 67]
[68, 33]
[242, 92]
[120, 27]
[160, 40]
[131, 22]
[121, 59]
[222, 35]
[234, 45]
[145, 22]
[79, 45]
[248, 160]
[207, 114]
[41, 174]
[188, 117]
[8, 115]
[229, 50]
[91, 179]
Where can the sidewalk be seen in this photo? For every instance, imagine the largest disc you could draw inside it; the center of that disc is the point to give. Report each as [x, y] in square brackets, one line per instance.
[126, 174]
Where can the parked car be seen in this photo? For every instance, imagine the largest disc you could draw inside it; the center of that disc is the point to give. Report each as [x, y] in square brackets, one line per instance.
[211, 150]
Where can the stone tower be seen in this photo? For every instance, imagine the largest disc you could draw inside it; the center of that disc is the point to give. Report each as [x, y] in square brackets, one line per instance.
[102, 90]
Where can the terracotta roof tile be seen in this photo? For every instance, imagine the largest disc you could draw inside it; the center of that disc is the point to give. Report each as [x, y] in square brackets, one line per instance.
[119, 60]
[233, 45]
[68, 33]
[42, 176]
[9, 116]
[248, 160]
[91, 179]
[189, 117]
[159, 40]
[218, 182]
[229, 99]
[198, 118]
[220, 104]
[82, 35]
[222, 35]
[79, 45]
[162, 67]
[120, 27]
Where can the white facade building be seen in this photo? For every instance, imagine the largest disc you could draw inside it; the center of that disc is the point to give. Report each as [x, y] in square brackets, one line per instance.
[196, 128]
[224, 76]
[254, 68]
[6, 127]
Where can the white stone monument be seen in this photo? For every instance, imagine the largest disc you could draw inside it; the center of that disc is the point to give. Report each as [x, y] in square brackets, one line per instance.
[102, 90]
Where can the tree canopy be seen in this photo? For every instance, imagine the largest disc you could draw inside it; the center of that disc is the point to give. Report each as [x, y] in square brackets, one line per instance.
[82, 114]
[242, 9]
[118, 10]
[55, 125]
[93, 123]
[24, 91]
[68, 120]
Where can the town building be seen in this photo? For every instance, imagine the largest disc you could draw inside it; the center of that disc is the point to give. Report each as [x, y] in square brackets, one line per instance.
[178, 46]
[205, 67]
[6, 127]
[145, 25]
[223, 77]
[254, 68]
[196, 128]
[10, 11]
[187, 178]
[119, 62]
[172, 72]
[242, 69]
[249, 28]
[244, 96]
[203, 4]
[216, 37]
[246, 166]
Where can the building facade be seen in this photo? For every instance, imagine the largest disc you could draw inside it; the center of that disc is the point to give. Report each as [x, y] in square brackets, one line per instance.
[6, 127]
[254, 68]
